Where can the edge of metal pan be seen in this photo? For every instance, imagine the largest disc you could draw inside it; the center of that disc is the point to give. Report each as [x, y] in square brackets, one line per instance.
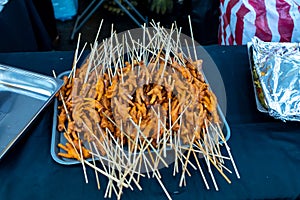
[20, 87]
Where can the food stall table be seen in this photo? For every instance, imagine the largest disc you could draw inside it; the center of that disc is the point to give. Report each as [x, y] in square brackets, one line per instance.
[266, 150]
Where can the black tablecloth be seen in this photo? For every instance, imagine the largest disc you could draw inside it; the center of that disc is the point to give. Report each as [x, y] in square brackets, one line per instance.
[266, 151]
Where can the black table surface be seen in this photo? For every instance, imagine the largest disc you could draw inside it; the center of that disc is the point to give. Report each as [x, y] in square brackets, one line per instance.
[266, 151]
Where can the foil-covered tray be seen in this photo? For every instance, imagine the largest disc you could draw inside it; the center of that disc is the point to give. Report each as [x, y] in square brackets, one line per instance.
[261, 104]
[57, 137]
[23, 95]
[277, 68]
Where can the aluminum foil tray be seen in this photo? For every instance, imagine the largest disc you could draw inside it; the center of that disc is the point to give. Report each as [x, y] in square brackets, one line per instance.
[23, 95]
[275, 68]
[57, 137]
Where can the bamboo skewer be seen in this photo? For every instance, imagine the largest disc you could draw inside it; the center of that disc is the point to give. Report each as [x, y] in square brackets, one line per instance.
[75, 59]
[96, 173]
[228, 150]
[63, 100]
[82, 161]
[205, 152]
[106, 174]
[186, 161]
[200, 169]
[192, 35]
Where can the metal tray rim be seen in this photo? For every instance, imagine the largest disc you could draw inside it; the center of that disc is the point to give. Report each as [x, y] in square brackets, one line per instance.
[259, 106]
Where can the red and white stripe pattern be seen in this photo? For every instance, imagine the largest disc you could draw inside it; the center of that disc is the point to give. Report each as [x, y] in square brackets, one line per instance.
[269, 20]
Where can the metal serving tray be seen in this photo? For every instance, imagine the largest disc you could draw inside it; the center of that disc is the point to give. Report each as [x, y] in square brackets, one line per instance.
[23, 95]
[57, 137]
[259, 104]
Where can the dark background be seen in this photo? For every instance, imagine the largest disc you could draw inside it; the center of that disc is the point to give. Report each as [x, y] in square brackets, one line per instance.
[29, 25]
[204, 15]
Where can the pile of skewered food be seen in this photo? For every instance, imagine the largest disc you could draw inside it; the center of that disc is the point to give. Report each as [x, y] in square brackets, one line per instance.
[129, 117]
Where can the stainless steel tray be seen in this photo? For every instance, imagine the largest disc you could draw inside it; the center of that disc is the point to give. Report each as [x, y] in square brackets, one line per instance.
[57, 137]
[23, 95]
[259, 104]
